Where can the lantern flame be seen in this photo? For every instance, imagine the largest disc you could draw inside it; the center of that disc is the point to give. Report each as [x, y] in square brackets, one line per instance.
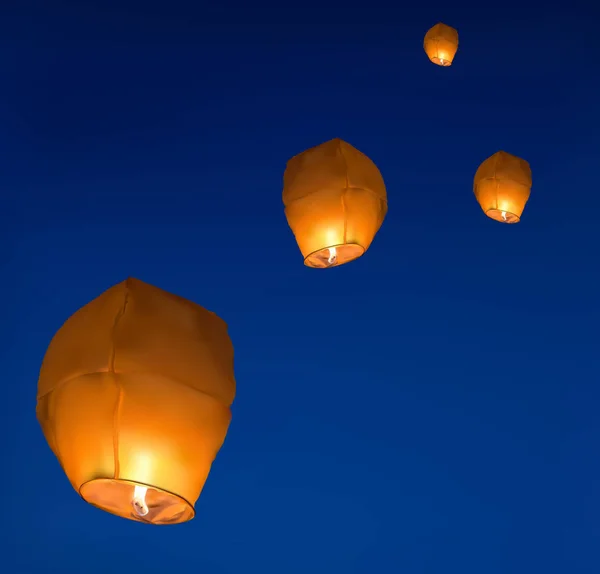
[504, 215]
[139, 500]
[332, 255]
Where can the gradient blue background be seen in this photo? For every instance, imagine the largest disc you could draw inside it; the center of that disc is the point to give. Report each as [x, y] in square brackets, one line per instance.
[429, 408]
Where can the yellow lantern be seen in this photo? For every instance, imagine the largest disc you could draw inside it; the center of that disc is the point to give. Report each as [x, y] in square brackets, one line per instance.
[502, 186]
[335, 202]
[441, 44]
[133, 399]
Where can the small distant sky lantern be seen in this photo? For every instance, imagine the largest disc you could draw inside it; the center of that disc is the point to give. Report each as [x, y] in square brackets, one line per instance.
[441, 44]
[502, 186]
[335, 202]
[134, 400]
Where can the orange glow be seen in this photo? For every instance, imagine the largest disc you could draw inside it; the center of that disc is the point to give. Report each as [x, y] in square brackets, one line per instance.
[502, 186]
[133, 399]
[441, 44]
[335, 202]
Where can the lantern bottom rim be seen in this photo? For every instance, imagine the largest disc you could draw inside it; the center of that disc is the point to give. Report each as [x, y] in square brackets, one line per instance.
[116, 496]
[497, 215]
[334, 255]
[441, 62]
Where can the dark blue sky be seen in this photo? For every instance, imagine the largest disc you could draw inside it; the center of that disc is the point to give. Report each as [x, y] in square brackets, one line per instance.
[430, 408]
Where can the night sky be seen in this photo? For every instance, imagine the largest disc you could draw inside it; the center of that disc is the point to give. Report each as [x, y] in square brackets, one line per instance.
[430, 408]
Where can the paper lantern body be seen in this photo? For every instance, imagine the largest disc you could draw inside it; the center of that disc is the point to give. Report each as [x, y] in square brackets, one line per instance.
[335, 202]
[502, 186]
[441, 44]
[134, 400]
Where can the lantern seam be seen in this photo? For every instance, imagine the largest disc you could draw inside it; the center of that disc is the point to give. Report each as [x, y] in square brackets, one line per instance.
[286, 205]
[344, 191]
[111, 369]
[172, 379]
[497, 181]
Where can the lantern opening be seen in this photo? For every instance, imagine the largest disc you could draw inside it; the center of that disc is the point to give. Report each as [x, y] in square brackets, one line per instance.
[334, 255]
[440, 60]
[139, 502]
[502, 216]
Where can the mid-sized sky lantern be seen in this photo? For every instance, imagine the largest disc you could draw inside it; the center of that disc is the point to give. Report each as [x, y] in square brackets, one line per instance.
[335, 202]
[502, 186]
[441, 44]
[134, 400]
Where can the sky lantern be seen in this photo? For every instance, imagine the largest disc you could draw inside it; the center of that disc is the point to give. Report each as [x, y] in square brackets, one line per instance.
[502, 186]
[441, 44]
[335, 202]
[134, 400]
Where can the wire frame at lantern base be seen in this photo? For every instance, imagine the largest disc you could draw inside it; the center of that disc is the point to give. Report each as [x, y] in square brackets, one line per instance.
[116, 496]
[502, 216]
[441, 61]
[334, 255]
